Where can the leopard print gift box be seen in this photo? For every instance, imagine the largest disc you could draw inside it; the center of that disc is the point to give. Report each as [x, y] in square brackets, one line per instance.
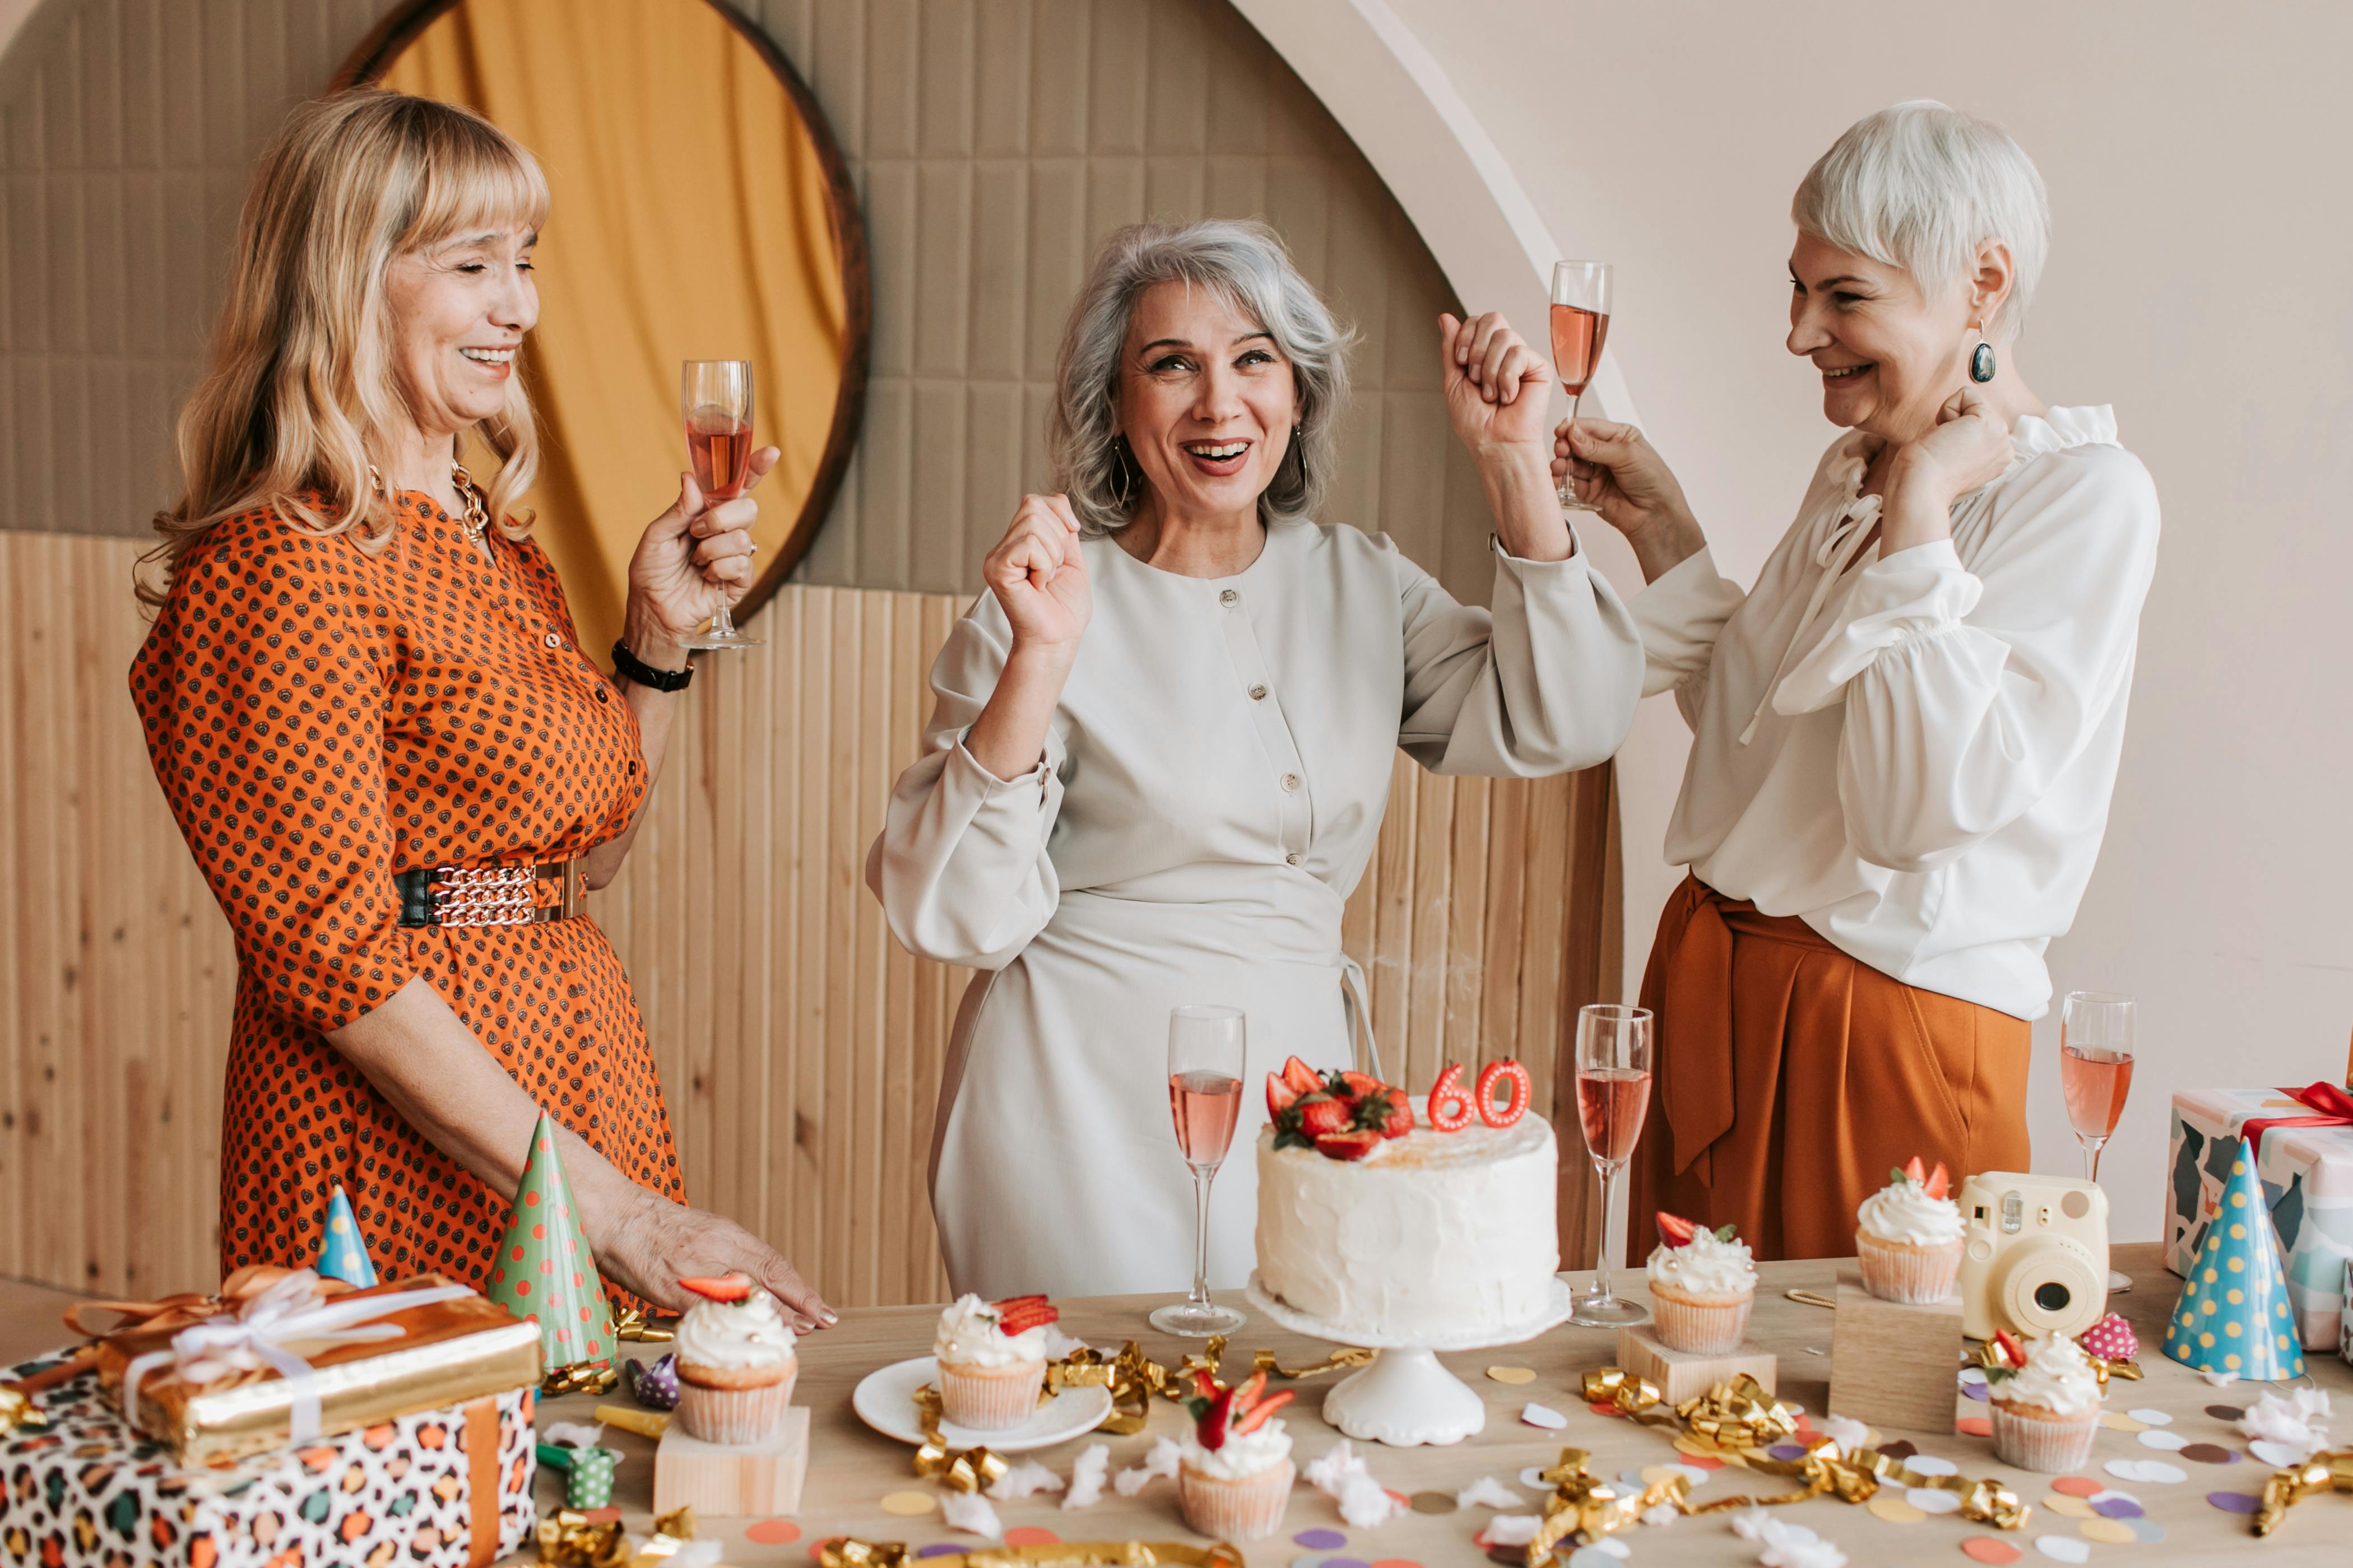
[90, 1491]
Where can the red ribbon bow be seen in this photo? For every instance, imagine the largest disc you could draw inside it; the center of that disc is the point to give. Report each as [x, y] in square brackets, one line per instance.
[2333, 1106]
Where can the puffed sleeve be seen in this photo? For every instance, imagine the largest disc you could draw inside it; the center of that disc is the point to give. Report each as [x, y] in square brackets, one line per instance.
[1970, 688]
[961, 865]
[1546, 683]
[263, 697]
[1680, 616]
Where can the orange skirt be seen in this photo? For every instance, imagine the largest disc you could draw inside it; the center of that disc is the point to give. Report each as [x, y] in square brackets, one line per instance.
[1790, 1079]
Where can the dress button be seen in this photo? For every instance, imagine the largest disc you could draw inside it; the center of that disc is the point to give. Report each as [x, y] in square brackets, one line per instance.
[1229, 598]
[603, 694]
[1290, 782]
[1293, 859]
[1258, 693]
[552, 640]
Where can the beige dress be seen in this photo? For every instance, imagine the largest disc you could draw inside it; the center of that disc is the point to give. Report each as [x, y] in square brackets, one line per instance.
[1212, 788]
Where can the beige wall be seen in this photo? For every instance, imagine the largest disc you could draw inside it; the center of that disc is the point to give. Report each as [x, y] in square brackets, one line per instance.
[2195, 157]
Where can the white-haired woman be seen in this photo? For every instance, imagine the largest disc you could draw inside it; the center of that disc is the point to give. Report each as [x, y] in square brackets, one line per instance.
[1163, 738]
[1906, 733]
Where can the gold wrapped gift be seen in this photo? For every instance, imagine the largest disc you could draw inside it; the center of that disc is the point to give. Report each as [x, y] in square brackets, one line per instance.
[293, 1362]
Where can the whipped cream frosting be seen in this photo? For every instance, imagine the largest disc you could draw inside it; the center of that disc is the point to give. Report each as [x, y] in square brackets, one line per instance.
[734, 1334]
[1903, 1211]
[1244, 1453]
[1705, 1267]
[969, 1336]
[2057, 1376]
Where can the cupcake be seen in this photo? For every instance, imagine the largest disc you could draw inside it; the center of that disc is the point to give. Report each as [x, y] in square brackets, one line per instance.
[1908, 1234]
[2044, 1411]
[1702, 1286]
[736, 1361]
[1233, 1469]
[992, 1359]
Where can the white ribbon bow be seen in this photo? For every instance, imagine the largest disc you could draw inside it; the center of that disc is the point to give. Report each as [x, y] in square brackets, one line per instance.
[292, 1311]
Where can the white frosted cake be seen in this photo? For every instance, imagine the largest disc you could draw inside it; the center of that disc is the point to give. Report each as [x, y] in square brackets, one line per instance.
[1434, 1233]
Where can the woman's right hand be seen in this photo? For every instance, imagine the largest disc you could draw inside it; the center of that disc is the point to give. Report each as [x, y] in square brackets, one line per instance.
[1039, 575]
[1619, 472]
[652, 1243]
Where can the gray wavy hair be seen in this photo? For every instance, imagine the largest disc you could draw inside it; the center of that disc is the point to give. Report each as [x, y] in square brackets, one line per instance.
[1921, 187]
[1247, 264]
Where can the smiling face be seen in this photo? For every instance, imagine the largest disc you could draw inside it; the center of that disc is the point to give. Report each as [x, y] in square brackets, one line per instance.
[1206, 401]
[1888, 354]
[460, 311]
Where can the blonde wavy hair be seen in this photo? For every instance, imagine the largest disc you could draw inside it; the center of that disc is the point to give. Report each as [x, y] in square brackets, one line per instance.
[298, 387]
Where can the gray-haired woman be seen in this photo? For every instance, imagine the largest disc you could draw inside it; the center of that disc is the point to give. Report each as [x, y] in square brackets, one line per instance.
[1163, 738]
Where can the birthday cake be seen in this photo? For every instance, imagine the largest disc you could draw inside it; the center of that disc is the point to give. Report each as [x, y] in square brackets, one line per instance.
[1440, 1226]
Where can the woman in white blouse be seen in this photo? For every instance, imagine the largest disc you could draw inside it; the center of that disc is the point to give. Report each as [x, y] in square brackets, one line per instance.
[1906, 733]
[1163, 737]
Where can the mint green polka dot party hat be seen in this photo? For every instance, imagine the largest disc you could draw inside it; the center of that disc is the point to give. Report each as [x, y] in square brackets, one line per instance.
[2233, 1314]
[342, 1252]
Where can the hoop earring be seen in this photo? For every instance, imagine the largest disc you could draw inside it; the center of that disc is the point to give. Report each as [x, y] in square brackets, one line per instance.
[1981, 366]
[1127, 469]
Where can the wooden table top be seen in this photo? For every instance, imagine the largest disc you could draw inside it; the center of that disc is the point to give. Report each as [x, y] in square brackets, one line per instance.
[852, 1468]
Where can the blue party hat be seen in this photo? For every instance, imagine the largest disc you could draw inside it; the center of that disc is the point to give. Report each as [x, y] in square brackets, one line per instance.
[343, 1254]
[2233, 1315]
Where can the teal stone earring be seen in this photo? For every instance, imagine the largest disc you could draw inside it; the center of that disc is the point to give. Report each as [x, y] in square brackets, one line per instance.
[1981, 366]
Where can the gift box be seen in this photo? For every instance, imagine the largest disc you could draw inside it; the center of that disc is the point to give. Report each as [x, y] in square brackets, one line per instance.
[434, 1489]
[2304, 1157]
[283, 1357]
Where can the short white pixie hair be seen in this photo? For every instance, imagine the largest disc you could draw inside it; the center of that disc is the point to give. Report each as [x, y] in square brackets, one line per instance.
[1921, 187]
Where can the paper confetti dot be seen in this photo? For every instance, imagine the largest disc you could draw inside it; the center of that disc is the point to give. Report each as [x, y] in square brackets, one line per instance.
[2077, 1486]
[1345, 1563]
[2224, 1412]
[2148, 1417]
[1543, 1415]
[1902, 1448]
[1511, 1373]
[1785, 1452]
[1894, 1510]
[2167, 1442]
[1690, 1451]
[2062, 1548]
[2147, 1532]
[1928, 1500]
[2209, 1454]
[1610, 1543]
[1030, 1535]
[1986, 1549]
[1534, 1477]
[1976, 1391]
[2069, 1507]
[2114, 1532]
[941, 1548]
[1591, 1557]
[2116, 1507]
[1604, 1410]
[1973, 1377]
[2114, 1422]
[2236, 1502]
[1974, 1427]
[772, 1533]
[1395, 1562]
[1319, 1540]
[907, 1505]
[1432, 1502]
[2278, 1456]
[1930, 1464]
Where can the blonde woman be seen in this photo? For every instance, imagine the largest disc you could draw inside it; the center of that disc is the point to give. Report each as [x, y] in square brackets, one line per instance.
[397, 767]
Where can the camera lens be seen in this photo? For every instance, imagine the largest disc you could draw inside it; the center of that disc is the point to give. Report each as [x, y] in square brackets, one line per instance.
[2052, 1297]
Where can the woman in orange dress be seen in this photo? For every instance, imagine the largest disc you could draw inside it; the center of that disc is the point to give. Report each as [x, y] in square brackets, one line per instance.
[368, 709]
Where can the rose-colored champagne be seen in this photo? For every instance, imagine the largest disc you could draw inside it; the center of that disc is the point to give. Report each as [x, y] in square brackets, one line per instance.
[1611, 1102]
[2095, 1082]
[720, 447]
[1205, 1106]
[1576, 339]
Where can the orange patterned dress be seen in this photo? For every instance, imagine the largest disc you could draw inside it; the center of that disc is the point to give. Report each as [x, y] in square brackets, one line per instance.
[321, 719]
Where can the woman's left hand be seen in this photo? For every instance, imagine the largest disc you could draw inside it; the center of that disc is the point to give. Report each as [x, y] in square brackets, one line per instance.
[694, 560]
[1495, 388]
[1967, 448]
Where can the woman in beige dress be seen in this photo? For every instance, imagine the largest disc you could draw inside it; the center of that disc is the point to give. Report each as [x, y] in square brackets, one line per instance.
[1162, 744]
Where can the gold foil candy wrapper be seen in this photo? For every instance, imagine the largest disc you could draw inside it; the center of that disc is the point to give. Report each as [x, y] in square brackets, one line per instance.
[581, 1377]
[2330, 1471]
[959, 1469]
[1341, 1360]
[1990, 1358]
[1583, 1509]
[630, 1325]
[569, 1539]
[672, 1530]
[848, 1552]
[1737, 1416]
[1622, 1391]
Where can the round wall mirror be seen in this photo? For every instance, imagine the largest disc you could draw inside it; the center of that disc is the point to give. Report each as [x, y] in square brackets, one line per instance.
[701, 209]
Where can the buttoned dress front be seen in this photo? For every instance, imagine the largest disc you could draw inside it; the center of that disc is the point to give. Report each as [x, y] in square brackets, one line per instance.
[1212, 788]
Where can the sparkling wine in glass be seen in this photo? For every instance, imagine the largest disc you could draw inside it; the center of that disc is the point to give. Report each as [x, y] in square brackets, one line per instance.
[1580, 326]
[1206, 1049]
[2095, 1067]
[1613, 1093]
[716, 397]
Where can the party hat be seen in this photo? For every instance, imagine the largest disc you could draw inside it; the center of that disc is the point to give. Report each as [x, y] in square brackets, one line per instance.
[2233, 1315]
[342, 1252]
[544, 1269]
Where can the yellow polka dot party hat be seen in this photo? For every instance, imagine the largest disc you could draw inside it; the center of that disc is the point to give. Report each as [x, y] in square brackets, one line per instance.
[544, 1269]
[2233, 1314]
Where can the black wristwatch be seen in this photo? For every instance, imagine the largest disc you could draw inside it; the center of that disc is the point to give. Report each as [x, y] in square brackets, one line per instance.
[627, 666]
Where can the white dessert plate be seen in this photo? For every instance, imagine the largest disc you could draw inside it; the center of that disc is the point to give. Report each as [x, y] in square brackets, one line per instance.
[885, 1400]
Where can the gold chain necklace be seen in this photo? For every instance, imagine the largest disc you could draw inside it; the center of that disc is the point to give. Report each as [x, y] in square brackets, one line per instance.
[475, 520]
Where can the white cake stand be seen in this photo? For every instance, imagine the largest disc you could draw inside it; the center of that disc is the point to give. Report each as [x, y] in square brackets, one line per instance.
[1405, 1398]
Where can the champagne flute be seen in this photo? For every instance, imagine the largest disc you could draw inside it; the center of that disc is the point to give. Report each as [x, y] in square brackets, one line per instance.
[1580, 325]
[1206, 1048]
[2095, 1068]
[716, 397]
[1613, 1093]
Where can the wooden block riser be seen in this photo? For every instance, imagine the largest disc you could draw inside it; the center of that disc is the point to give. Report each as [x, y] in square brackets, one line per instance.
[1893, 1364]
[1682, 1375]
[719, 1480]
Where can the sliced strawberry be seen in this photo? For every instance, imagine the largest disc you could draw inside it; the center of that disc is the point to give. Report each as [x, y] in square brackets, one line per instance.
[1249, 1392]
[1347, 1145]
[1023, 1319]
[2011, 1351]
[719, 1288]
[1676, 1230]
[1213, 1426]
[1361, 1085]
[1392, 1118]
[1302, 1077]
[1940, 1180]
[1010, 1302]
[1253, 1419]
[1203, 1383]
[1280, 1095]
[1914, 1170]
[1319, 1116]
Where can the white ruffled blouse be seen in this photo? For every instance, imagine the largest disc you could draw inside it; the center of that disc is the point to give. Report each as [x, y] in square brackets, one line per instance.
[1914, 754]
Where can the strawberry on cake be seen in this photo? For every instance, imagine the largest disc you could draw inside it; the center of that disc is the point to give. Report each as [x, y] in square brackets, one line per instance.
[992, 1357]
[1374, 1220]
[1234, 1470]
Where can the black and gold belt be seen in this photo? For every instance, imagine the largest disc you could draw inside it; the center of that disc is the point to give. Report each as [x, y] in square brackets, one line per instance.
[488, 895]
